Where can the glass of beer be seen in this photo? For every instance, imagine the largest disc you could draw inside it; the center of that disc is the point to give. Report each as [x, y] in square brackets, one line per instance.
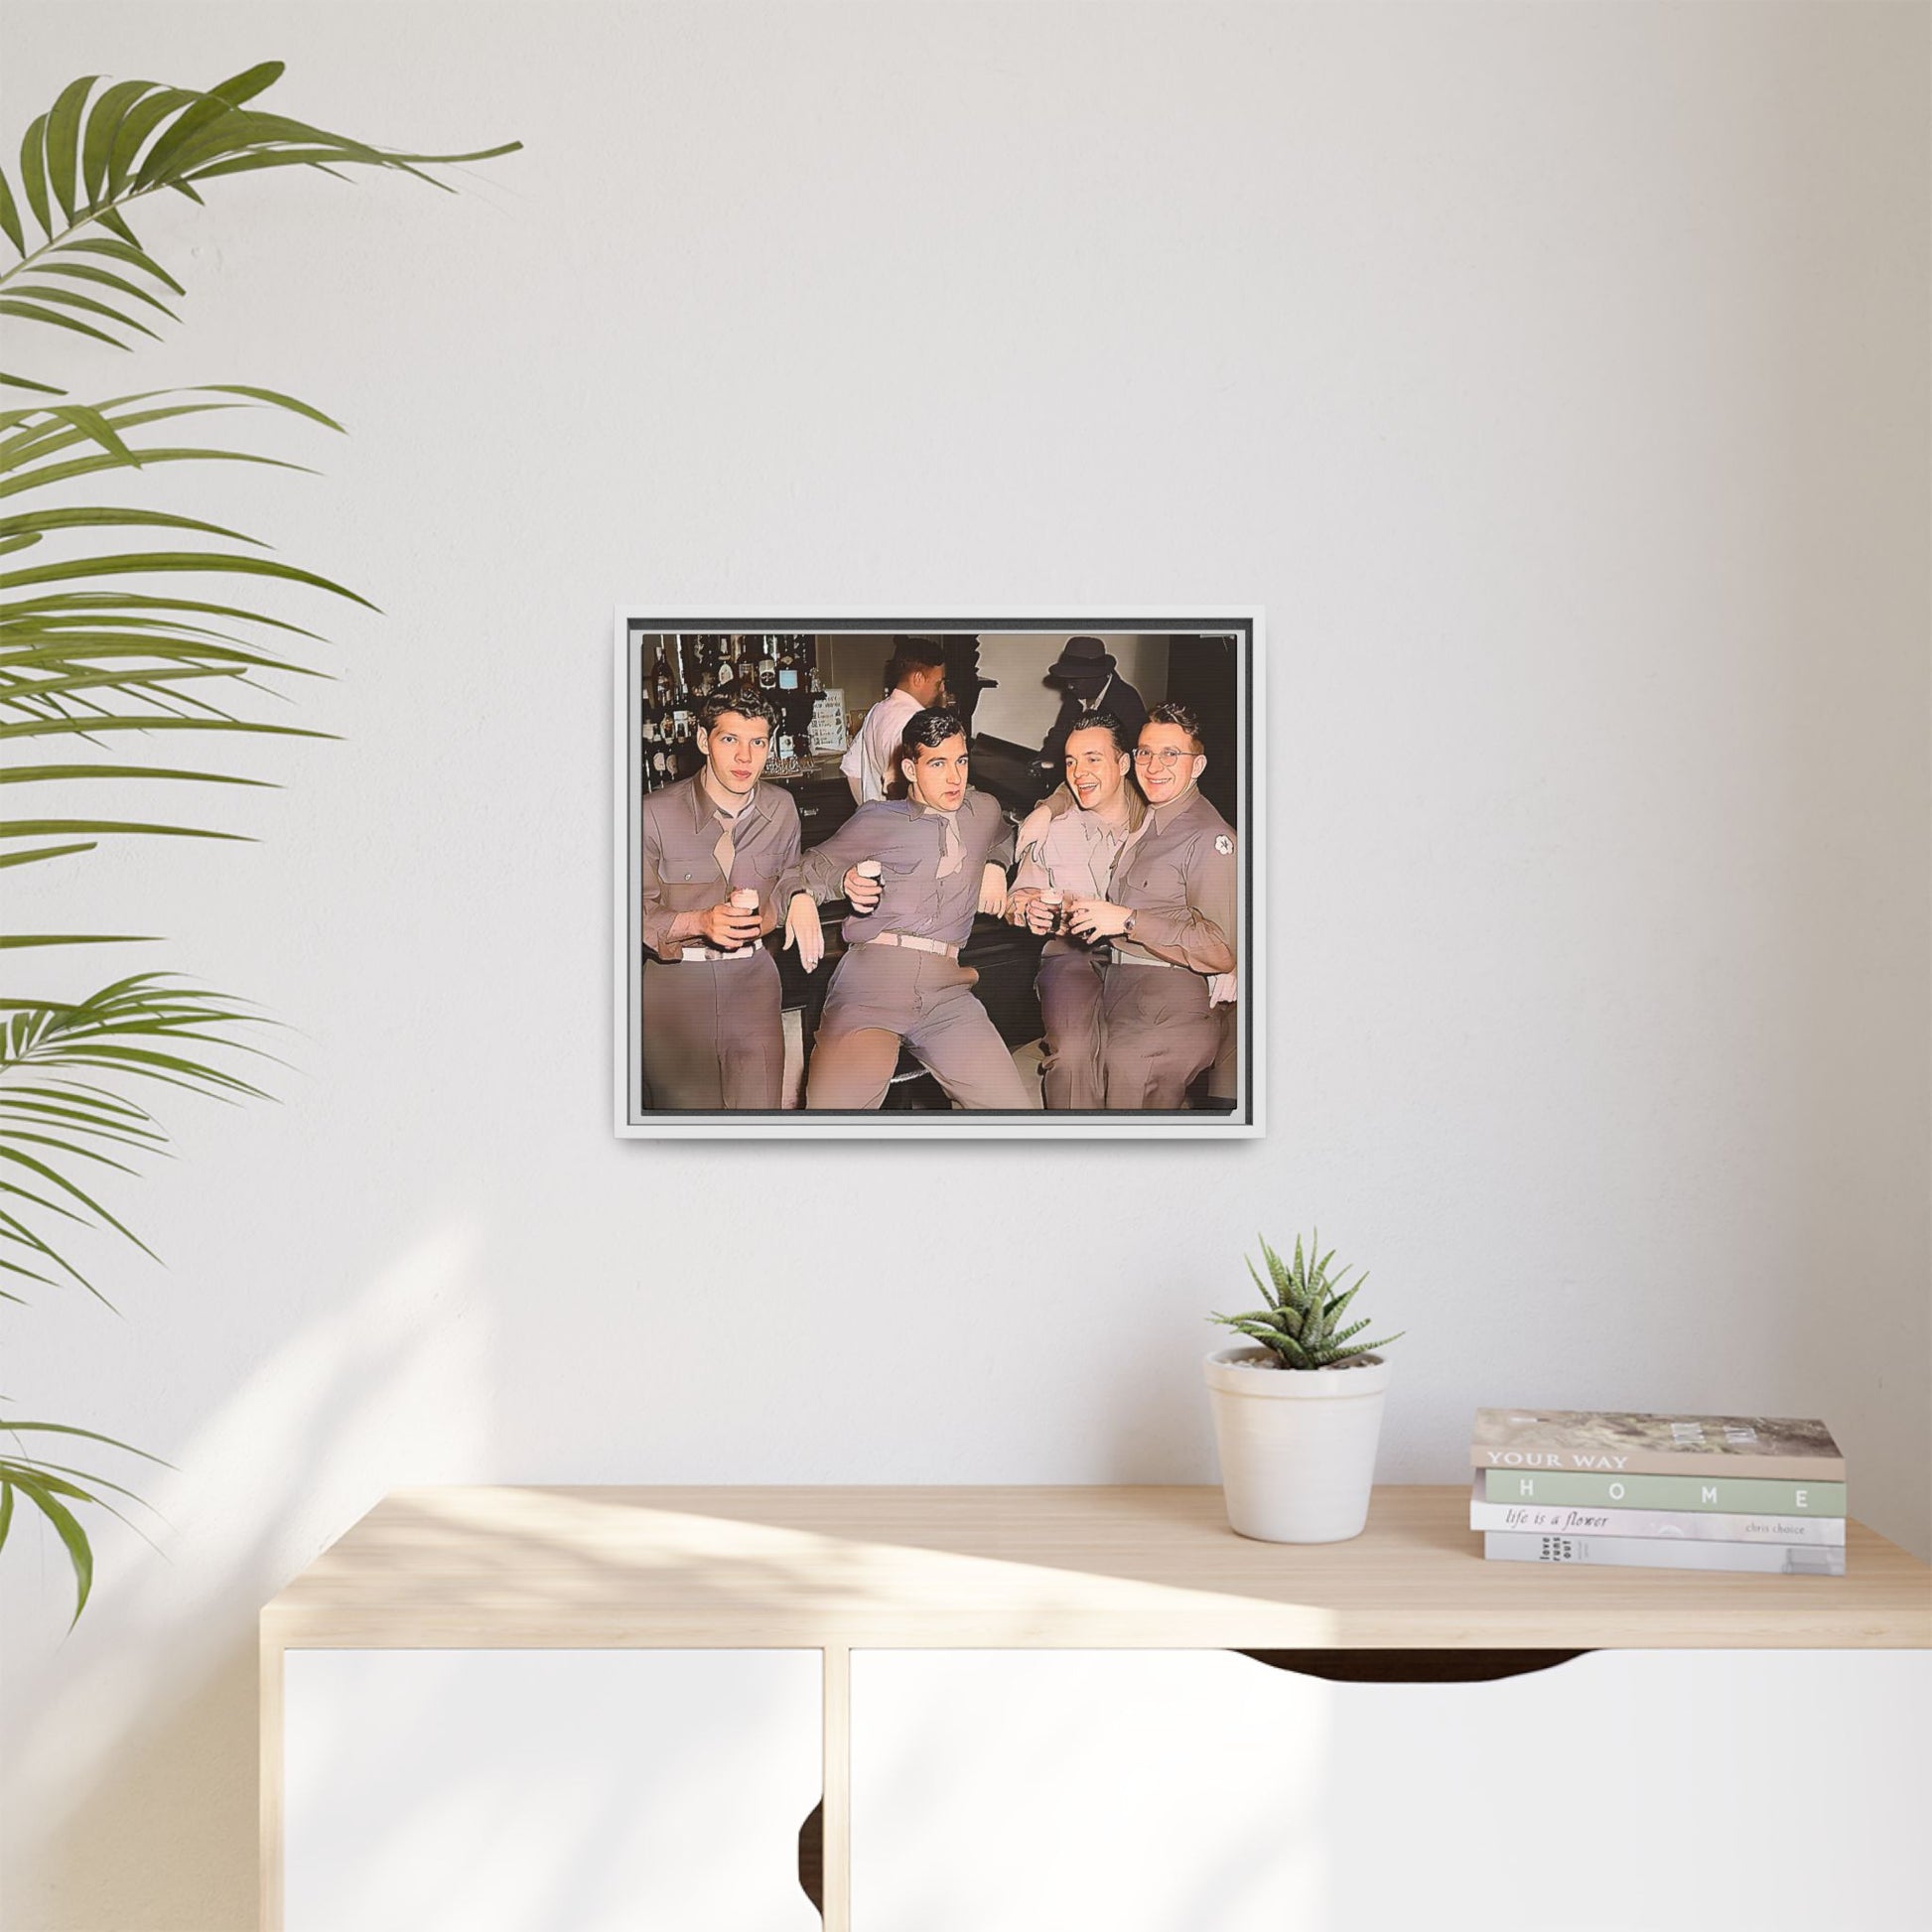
[873, 870]
[1054, 900]
[745, 898]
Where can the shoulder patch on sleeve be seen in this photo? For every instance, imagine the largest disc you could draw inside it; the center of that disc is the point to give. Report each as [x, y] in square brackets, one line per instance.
[1223, 843]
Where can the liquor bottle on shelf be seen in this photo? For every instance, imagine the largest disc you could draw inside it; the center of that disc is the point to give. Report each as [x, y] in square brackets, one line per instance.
[660, 677]
[787, 667]
[725, 678]
[817, 683]
[768, 663]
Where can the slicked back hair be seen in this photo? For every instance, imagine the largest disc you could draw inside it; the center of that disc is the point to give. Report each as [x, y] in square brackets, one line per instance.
[748, 704]
[924, 729]
[912, 654]
[1102, 721]
[1182, 719]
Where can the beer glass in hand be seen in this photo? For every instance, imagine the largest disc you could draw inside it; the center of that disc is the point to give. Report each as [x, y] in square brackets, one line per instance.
[864, 886]
[744, 916]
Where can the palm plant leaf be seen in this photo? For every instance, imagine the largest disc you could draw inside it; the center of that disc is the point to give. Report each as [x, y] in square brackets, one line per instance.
[39, 1489]
[142, 1027]
[83, 655]
[91, 156]
[52, 1487]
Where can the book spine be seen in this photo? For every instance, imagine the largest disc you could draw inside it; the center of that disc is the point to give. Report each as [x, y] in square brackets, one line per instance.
[1734, 1495]
[1642, 1553]
[1659, 1462]
[1691, 1524]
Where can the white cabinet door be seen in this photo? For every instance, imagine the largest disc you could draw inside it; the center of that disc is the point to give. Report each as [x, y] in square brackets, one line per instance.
[538, 1790]
[1199, 1791]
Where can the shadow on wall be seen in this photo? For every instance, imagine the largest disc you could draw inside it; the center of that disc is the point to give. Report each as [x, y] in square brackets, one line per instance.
[134, 1800]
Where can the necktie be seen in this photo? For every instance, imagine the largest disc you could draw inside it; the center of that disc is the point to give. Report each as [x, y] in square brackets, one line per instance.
[725, 851]
[951, 855]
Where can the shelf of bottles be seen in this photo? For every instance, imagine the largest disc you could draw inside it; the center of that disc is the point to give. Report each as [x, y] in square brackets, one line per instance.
[681, 669]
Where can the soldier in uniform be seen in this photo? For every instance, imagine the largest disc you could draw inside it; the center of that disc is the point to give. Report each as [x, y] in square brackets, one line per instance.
[721, 856]
[940, 851]
[1170, 915]
[1069, 845]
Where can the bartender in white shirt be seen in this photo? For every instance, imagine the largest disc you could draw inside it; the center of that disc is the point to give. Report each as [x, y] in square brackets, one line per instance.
[916, 679]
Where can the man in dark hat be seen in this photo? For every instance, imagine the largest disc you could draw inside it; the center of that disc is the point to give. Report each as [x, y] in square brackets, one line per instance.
[1089, 681]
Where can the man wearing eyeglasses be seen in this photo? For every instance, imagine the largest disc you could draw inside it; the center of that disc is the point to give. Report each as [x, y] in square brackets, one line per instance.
[1170, 915]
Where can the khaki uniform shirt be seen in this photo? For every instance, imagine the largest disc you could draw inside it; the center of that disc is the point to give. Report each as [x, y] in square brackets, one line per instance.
[907, 839]
[1180, 880]
[1071, 849]
[678, 831]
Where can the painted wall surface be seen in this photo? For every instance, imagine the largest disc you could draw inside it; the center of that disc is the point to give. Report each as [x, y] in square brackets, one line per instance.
[1553, 376]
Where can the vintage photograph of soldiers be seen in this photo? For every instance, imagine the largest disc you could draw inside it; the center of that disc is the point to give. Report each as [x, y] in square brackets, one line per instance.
[904, 878]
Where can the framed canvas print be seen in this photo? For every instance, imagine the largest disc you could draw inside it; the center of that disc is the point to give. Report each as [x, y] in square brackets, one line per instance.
[957, 875]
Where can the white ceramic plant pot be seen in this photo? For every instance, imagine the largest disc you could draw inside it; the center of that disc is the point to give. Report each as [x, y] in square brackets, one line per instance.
[1298, 1446]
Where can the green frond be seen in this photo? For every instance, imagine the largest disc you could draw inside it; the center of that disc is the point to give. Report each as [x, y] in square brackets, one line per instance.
[103, 122]
[81, 659]
[12, 1425]
[39, 1491]
[33, 173]
[24, 310]
[10, 216]
[81, 167]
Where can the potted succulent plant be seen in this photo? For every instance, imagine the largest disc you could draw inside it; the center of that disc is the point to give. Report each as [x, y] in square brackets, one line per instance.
[1296, 1416]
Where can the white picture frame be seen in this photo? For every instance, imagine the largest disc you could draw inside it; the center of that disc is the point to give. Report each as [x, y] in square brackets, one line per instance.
[1007, 639]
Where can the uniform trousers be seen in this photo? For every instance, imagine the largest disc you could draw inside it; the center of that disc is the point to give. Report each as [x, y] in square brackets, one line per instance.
[1157, 1033]
[714, 1033]
[1225, 1081]
[881, 996]
[1068, 985]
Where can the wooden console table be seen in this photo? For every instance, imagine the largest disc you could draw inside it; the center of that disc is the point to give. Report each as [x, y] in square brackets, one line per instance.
[835, 1570]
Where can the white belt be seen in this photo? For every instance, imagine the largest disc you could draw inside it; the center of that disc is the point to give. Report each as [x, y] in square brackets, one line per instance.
[913, 940]
[1119, 958]
[690, 953]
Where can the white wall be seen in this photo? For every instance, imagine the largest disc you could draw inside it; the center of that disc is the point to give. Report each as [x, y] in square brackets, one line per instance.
[1555, 378]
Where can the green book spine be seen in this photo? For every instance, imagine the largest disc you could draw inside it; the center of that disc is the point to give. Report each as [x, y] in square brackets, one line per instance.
[1754, 1495]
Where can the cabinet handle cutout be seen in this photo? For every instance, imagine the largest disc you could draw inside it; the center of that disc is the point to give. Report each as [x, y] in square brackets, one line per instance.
[1413, 1666]
[811, 1858]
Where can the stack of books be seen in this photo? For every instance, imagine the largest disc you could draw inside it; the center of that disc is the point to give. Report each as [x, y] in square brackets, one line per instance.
[1661, 1492]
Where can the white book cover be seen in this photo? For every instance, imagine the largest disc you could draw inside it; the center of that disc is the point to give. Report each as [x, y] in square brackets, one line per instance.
[1667, 1525]
[1646, 1553]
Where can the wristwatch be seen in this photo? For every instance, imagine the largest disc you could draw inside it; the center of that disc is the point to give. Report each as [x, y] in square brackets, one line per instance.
[1126, 931]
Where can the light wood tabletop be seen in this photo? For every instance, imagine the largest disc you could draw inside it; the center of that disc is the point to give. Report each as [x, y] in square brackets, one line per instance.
[1047, 1566]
